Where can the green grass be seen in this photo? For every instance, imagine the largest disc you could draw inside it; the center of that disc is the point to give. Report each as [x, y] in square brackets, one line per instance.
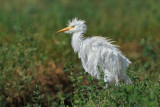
[88, 92]
[32, 54]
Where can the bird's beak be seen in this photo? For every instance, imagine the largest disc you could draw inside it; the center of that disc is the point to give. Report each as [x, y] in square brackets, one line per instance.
[65, 29]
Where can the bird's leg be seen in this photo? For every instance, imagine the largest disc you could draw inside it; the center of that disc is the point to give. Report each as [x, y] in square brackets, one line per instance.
[106, 80]
[107, 85]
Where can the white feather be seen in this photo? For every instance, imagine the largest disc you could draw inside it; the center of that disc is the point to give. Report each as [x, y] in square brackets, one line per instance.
[98, 51]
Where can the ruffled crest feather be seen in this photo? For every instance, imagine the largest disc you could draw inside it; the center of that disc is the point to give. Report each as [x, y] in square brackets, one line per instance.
[75, 21]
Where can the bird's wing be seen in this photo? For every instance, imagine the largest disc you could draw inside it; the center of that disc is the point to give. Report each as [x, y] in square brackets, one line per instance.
[109, 55]
[106, 54]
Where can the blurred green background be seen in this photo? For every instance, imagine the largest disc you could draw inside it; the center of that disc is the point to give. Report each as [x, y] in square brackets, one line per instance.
[33, 57]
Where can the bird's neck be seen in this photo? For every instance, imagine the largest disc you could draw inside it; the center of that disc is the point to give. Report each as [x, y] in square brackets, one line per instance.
[77, 39]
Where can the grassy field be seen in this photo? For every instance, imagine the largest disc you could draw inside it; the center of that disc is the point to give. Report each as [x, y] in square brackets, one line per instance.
[39, 68]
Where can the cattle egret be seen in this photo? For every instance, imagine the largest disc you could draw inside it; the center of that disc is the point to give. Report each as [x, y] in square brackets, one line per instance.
[98, 52]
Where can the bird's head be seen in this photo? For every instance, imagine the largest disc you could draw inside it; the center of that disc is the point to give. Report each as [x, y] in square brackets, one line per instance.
[74, 26]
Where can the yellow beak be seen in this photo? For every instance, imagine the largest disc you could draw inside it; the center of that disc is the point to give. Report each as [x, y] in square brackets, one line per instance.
[65, 29]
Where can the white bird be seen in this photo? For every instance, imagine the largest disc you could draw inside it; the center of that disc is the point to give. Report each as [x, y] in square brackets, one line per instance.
[97, 52]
